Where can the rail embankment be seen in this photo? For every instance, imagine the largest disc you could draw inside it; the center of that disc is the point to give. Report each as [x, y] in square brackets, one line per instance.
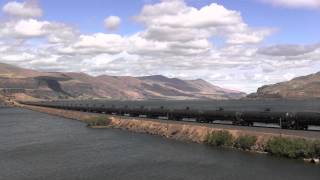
[6, 101]
[279, 144]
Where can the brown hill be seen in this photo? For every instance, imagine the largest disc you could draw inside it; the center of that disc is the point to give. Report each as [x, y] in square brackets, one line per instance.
[298, 88]
[10, 71]
[57, 85]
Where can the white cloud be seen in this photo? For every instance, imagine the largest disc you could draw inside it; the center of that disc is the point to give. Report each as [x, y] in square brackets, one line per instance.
[288, 50]
[23, 28]
[294, 3]
[28, 9]
[175, 21]
[112, 22]
[18, 57]
[250, 37]
[178, 14]
[95, 44]
[161, 49]
[30, 28]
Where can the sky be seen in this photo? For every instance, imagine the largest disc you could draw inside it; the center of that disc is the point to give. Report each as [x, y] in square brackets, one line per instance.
[235, 44]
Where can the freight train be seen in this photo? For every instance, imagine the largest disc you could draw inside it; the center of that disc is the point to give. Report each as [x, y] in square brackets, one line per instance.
[286, 120]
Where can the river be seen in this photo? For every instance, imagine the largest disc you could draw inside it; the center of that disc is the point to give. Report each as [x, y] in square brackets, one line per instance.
[39, 146]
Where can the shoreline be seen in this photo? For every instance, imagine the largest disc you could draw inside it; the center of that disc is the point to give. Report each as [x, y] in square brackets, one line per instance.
[196, 133]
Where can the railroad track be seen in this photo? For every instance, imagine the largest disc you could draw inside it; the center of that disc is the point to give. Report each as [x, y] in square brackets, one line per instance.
[313, 134]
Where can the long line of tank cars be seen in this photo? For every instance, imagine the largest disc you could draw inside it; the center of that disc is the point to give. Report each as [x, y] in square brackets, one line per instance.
[286, 120]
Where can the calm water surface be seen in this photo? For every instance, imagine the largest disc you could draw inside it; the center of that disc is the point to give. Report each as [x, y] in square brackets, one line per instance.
[38, 146]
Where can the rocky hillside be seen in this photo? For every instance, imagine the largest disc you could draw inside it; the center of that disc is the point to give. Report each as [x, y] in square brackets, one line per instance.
[30, 84]
[299, 88]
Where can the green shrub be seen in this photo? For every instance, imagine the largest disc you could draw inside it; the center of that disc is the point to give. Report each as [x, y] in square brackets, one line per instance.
[220, 138]
[245, 142]
[99, 121]
[291, 148]
[315, 146]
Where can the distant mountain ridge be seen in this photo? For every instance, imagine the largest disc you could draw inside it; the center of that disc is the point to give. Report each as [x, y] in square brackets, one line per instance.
[303, 87]
[57, 85]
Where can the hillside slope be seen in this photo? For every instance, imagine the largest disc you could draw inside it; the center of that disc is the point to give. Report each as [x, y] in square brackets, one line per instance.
[298, 88]
[83, 86]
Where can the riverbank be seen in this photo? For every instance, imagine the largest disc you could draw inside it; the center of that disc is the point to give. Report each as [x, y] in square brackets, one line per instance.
[5, 101]
[191, 132]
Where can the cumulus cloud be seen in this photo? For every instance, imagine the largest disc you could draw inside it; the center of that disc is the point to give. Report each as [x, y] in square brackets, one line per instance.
[25, 28]
[96, 44]
[32, 28]
[28, 9]
[178, 14]
[294, 3]
[112, 22]
[249, 37]
[288, 50]
[175, 20]
[177, 41]
[61, 33]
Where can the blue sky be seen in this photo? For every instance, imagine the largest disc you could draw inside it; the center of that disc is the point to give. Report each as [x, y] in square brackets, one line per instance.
[294, 25]
[89, 15]
[237, 44]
